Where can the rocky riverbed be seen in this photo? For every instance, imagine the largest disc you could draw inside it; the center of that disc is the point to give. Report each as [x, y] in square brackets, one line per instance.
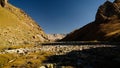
[56, 49]
[74, 56]
[84, 56]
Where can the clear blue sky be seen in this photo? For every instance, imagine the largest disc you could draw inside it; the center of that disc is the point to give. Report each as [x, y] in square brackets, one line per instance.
[60, 16]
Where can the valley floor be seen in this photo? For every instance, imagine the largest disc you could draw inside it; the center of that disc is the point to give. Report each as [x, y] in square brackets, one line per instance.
[61, 55]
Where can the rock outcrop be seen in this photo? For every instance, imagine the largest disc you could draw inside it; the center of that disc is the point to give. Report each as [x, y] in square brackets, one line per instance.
[3, 2]
[17, 28]
[106, 26]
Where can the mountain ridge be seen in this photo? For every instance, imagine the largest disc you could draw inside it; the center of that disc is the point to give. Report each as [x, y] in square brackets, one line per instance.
[104, 28]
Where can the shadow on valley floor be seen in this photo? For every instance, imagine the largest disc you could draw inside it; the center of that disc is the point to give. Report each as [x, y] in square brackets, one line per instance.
[104, 57]
[80, 43]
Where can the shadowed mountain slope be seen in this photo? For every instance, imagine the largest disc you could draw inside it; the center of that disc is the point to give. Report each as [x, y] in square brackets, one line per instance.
[17, 28]
[106, 26]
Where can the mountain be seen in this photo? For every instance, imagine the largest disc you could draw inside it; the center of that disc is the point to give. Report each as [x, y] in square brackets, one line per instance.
[55, 37]
[106, 26]
[17, 28]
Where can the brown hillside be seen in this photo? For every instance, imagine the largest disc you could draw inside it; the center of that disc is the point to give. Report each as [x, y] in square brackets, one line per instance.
[106, 27]
[17, 28]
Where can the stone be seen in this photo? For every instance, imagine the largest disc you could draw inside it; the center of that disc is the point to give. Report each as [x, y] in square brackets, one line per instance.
[3, 2]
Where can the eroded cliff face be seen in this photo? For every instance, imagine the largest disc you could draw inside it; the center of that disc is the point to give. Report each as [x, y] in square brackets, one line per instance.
[106, 26]
[17, 28]
[108, 11]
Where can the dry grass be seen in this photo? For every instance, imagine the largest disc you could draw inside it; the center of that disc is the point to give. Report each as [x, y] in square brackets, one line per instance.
[31, 60]
[7, 18]
[113, 33]
[5, 58]
[17, 28]
[2, 48]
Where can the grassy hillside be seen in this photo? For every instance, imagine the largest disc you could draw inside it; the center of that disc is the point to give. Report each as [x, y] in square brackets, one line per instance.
[7, 18]
[17, 28]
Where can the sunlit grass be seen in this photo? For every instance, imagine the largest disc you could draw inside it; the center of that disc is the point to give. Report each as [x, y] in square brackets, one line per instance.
[5, 47]
[113, 33]
[5, 58]
[7, 18]
[30, 60]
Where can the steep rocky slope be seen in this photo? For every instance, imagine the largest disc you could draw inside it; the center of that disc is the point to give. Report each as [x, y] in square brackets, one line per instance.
[17, 28]
[106, 26]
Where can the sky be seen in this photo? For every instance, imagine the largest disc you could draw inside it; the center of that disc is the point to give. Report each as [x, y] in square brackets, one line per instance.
[60, 16]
